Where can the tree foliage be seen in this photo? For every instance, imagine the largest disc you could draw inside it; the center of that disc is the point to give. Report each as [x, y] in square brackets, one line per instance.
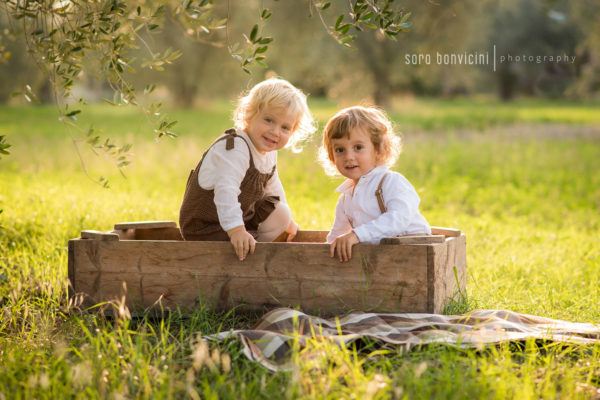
[104, 37]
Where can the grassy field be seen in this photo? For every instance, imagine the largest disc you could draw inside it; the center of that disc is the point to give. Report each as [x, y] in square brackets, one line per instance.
[521, 180]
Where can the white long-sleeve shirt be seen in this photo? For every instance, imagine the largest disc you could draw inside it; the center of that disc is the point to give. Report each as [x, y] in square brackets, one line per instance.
[357, 208]
[223, 170]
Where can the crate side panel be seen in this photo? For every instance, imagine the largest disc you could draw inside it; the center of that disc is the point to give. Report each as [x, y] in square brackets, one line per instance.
[89, 277]
[179, 273]
[151, 270]
[451, 255]
[70, 269]
[332, 297]
[379, 263]
[390, 277]
[438, 281]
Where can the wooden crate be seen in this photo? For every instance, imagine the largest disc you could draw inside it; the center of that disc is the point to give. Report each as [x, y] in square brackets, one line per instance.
[153, 267]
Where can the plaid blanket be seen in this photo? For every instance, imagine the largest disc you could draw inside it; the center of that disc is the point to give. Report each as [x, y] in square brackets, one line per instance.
[273, 336]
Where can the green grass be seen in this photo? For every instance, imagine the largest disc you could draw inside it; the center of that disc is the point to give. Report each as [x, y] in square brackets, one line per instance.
[529, 203]
[481, 114]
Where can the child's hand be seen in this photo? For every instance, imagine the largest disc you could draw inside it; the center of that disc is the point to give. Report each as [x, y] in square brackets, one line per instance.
[291, 230]
[242, 241]
[344, 245]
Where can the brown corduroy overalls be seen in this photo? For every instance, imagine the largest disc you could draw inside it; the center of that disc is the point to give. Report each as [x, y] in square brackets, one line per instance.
[198, 218]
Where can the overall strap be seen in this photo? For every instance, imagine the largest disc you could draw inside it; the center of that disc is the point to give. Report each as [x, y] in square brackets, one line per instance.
[379, 194]
[230, 135]
[347, 216]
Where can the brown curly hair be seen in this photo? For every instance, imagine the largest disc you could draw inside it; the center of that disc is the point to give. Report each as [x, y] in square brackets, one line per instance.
[370, 119]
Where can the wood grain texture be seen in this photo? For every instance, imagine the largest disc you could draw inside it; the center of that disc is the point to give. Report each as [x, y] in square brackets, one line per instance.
[145, 225]
[414, 239]
[277, 274]
[446, 283]
[396, 278]
[98, 235]
[438, 230]
[168, 233]
[149, 234]
[311, 236]
[173, 233]
[71, 268]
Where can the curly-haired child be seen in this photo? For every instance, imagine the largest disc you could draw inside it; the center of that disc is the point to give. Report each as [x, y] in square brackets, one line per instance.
[375, 202]
[234, 193]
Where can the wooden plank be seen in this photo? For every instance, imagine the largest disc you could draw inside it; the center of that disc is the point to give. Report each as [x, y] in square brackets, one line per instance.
[145, 225]
[256, 293]
[71, 269]
[281, 238]
[311, 236]
[128, 234]
[271, 260]
[393, 278]
[448, 257]
[414, 239]
[97, 235]
[158, 234]
[369, 262]
[131, 231]
[438, 258]
[438, 230]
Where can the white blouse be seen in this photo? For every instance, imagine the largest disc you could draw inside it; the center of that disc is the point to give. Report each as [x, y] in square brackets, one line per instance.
[357, 208]
[223, 170]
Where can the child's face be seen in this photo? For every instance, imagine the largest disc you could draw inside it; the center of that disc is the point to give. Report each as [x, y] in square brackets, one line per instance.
[270, 129]
[355, 155]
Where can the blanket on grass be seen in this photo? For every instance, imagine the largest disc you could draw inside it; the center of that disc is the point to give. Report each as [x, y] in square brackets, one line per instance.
[273, 336]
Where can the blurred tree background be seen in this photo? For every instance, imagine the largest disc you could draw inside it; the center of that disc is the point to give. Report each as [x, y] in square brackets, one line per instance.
[376, 69]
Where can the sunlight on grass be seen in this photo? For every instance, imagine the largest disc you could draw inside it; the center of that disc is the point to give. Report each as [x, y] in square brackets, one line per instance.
[528, 203]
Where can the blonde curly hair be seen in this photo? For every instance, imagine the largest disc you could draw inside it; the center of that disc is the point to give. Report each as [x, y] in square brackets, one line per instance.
[277, 93]
[372, 120]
